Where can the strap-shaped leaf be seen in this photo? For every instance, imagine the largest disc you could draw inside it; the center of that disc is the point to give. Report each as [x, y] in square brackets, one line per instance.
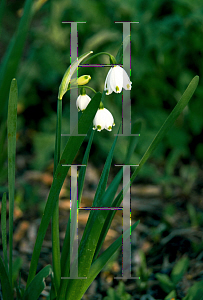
[12, 126]
[111, 191]
[133, 141]
[104, 177]
[67, 158]
[91, 230]
[37, 285]
[65, 255]
[77, 288]
[187, 95]
[107, 202]
[179, 269]
[12, 57]
[3, 230]
[195, 292]
[6, 287]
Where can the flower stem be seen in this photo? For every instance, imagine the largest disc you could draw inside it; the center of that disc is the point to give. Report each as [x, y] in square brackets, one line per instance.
[55, 217]
[88, 87]
[112, 58]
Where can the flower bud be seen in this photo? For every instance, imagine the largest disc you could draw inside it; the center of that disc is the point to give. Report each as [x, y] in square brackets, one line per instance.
[68, 74]
[83, 100]
[82, 80]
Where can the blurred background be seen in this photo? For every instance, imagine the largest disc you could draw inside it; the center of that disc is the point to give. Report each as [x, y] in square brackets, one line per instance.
[166, 53]
[166, 50]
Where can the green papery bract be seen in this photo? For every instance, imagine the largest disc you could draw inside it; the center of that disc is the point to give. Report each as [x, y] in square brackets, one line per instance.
[68, 74]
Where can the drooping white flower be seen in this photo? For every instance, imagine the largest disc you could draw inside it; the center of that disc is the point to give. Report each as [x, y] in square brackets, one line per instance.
[83, 100]
[103, 120]
[116, 79]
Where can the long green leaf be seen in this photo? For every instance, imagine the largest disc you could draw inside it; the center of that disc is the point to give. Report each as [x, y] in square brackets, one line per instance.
[3, 230]
[133, 141]
[12, 57]
[111, 191]
[37, 285]
[169, 122]
[17, 264]
[91, 220]
[179, 269]
[93, 227]
[81, 177]
[163, 130]
[195, 292]
[177, 110]
[65, 255]
[96, 267]
[6, 287]
[67, 157]
[104, 177]
[107, 202]
[11, 125]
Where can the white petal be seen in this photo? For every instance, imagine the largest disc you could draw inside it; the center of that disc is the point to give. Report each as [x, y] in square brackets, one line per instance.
[99, 120]
[126, 81]
[116, 79]
[103, 120]
[107, 83]
[82, 102]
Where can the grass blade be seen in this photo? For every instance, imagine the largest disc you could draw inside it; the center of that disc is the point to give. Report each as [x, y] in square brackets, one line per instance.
[3, 230]
[104, 177]
[107, 202]
[133, 140]
[12, 57]
[6, 287]
[65, 255]
[169, 122]
[111, 191]
[17, 264]
[97, 266]
[11, 125]
[92, 229]
[174, 114]
[37, 285]
[67, 157]
[81, 177]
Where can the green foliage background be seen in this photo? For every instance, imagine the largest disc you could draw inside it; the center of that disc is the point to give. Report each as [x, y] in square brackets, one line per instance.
[166, 53]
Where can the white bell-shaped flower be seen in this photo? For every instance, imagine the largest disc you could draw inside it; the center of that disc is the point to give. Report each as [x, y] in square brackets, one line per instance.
[83, 100]
[103, 120]
[116, 79]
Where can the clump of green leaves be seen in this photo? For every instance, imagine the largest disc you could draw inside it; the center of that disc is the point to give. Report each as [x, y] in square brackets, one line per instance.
[168, 284]
[118, 294]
